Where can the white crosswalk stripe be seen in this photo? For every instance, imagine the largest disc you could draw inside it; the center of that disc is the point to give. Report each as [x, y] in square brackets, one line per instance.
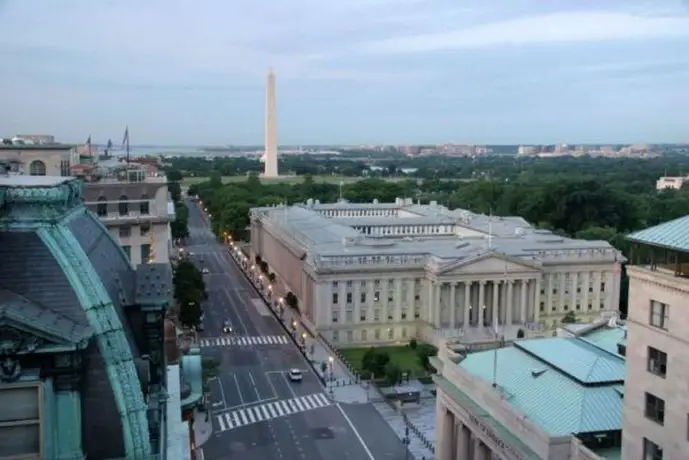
[271, 410]
[244, 341]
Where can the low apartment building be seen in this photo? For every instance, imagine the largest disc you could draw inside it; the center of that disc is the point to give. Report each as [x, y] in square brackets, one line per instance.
[656, 402]
[133, 203]
[541, 399]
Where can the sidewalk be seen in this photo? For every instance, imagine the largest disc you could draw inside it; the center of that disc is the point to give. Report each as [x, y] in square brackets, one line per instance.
[203, 427]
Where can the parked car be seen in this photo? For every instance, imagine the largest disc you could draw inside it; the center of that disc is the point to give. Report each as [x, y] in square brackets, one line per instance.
[227, 327]
[205, 271]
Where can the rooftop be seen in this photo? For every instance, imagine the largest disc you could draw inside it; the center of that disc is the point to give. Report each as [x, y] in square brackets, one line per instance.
[672, 235]
[564, 385]
[466, 235]
[36, 146]
[32, 181]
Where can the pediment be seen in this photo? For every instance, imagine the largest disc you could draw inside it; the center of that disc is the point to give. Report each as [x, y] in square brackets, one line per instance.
[28, 327]
[489, 263]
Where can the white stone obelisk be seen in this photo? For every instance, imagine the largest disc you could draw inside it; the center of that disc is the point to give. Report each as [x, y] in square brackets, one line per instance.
[270, 162]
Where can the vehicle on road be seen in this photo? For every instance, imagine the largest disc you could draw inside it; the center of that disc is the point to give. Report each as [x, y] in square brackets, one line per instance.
[295, 375]
[227, 327]
[205, 271]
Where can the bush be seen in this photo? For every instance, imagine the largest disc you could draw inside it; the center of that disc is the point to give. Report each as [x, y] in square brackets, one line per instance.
[413, 344]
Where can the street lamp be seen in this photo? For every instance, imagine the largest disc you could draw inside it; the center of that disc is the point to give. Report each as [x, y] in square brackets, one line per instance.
[303, 339]
[331, 361]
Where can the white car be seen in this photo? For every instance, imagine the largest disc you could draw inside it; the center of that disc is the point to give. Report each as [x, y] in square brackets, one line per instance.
[205, 271]
[295, 375]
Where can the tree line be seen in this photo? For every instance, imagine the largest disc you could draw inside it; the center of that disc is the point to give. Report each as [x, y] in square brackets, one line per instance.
[587, 198]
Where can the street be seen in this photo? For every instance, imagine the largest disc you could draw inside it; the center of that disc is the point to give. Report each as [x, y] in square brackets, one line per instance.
[257, 412]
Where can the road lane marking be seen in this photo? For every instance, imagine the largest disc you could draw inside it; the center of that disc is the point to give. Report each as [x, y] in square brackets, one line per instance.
[253, 383]
[239, 391]
[243, 341]
[356, 433]
[269, 411]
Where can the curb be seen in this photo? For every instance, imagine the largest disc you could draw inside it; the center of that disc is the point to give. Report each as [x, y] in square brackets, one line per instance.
[282, 323]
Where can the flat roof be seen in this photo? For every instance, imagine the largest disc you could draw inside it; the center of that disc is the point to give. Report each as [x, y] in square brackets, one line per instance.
[513, 236]
[33, 181]
[564, 385]
[37, 147]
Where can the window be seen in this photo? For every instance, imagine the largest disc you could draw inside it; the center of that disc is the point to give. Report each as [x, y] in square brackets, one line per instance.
[376, 315]
[123, 206]
[144, 206]
[376, 334]
[363, 335]
[128, 251]
[391, 333]
[37, 168]
[336, 315]
[335, 298]
[64, 168]
[125, 232]
[652, 451]
[102, 207]
[144, 229]
[654, 408]
[20, 422]
[334, 284]
[657, 362]
[350, 336]
[602, 286]
[349, 316]
[404, 332]
[145, 253]
[363, 297]
[659, 314]
[349, 284]
[336, 336]
[376, 296]
[349, 297]
[542, 306]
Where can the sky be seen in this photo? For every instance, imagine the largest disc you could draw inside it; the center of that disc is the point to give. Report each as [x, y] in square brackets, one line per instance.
[347, 71]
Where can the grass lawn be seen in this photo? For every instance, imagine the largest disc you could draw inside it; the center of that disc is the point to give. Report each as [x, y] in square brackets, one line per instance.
[285, 179]
[298, 179]
[403, 356]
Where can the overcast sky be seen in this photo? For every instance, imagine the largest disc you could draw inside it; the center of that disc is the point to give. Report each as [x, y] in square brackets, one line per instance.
[348, 71]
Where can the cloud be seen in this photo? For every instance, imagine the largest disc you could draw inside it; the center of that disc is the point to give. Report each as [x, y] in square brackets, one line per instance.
[542, 29]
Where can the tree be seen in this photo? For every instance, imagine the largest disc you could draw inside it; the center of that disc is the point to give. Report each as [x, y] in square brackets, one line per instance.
[424, 352]
[271, 277]
[374, 361]
[413, 344]
[569, 318]
[190, 292]
[174, 175]
[393, 373]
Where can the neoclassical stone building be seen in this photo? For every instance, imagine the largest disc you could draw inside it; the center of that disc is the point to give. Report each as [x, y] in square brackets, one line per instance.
[385, 272]
[82, 362]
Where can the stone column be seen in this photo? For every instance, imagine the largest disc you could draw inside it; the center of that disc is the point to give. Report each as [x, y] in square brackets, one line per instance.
[357, 301]
[510, 295]
[496, 296]
[537, 301]
[597, 278]
[481, 301]
[438, 288]
[478, 452]
[549, 295]
[522, 305]
[453, 307]
[384, 290]
[561, 293]
[574, 293]
[585, 286]
[467, 304]
[429, 307]
[445, 427]
[398, 300]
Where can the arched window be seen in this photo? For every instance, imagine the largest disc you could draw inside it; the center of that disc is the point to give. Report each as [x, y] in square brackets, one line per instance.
[37, 168]
[102, 207]
[144, 205]
[123, 206]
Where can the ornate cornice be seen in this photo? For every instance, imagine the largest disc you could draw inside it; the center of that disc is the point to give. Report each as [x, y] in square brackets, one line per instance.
[40, 203]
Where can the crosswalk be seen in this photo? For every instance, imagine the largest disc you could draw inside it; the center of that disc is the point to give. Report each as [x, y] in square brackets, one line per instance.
[268, 411]
[244, 341]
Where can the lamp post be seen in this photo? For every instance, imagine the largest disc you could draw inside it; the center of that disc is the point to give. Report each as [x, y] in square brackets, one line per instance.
[303, 340]
[331, 362]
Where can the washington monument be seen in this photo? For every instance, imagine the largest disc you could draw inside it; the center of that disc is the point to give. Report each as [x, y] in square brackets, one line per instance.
[270, 157]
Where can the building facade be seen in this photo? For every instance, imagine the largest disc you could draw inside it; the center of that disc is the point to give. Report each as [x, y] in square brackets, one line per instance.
[134, 206]
[541, 399]
[39, 159]
[386, 272]
[656, 412]
[83, 370]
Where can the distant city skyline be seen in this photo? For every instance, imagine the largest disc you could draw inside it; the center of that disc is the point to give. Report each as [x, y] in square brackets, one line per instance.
[350, 72]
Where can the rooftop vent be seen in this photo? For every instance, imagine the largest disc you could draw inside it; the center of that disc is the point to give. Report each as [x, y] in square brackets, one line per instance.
[375, 201]
[620, 391]
[538, 372]
[519, 231]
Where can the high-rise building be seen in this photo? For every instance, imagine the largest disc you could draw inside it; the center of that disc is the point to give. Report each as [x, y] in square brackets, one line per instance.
[271, 141]
[656, 400]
